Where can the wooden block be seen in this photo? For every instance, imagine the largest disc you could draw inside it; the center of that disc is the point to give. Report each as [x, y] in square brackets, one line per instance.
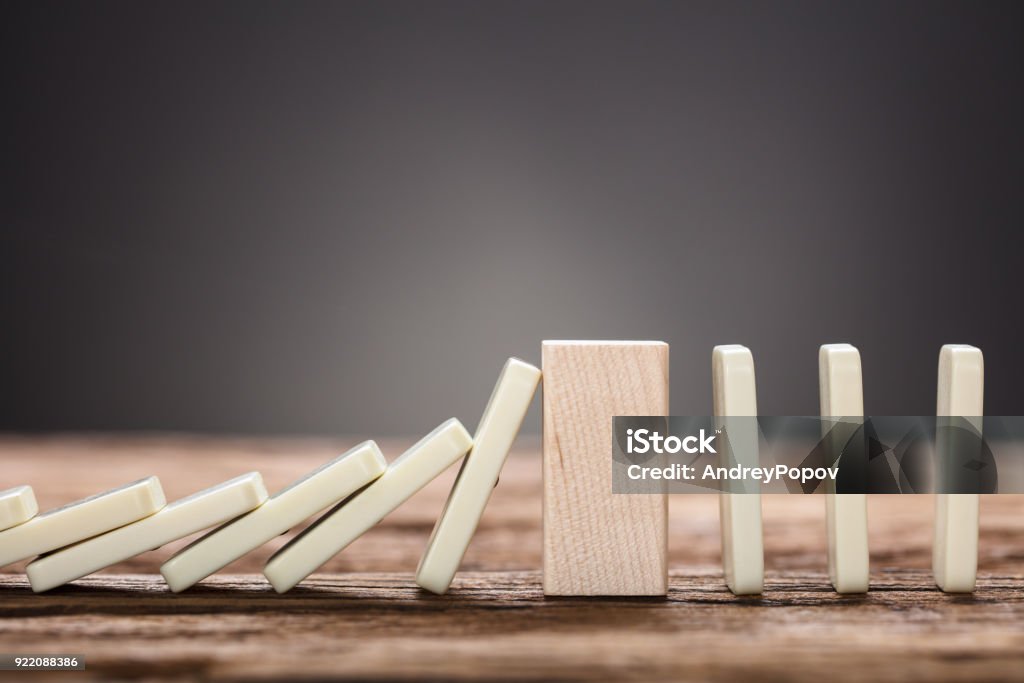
[330, 534]
[960, 393]
[735, 394]
[842, 395]
[80, 520]
[497, 430]
[17, 506]
[596, 542]
[317, 490]
[179, 519]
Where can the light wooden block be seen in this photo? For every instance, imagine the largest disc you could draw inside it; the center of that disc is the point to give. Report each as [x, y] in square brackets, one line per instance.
[181, 518]
[82, 519]
[353, 517]
[842, 395]
[961, 393]
[498, 428]
[17, 506]
[596, 542]
[735, 395]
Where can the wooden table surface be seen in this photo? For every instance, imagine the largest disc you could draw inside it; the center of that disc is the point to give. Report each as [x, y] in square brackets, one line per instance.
[363, 618]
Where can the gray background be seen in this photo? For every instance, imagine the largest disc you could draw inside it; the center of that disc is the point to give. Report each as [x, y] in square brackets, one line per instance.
[343, 217]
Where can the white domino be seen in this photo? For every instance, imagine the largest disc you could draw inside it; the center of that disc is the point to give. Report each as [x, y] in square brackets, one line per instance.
[326, 537]
[735, 395]
[181, 518]
[842, 395]
[472, 489]
[81, 520]
[17, 506]
[287, 508]
[960, 394]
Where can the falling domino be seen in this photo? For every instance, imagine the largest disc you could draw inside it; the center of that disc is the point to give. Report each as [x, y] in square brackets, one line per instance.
[181, 518]
[735, 394]
[960, 394]
[330, 534]
[842, 395]
[17, 506]
[472, 489]
[81, 520]
[287, 508]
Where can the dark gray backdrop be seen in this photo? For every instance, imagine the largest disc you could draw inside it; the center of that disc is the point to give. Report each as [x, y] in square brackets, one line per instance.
[342, 217]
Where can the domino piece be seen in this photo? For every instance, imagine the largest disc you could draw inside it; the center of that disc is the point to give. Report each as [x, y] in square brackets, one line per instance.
[350, 519]
[17, 505]
[81, 520]
[472, 489]
[846, 514]
[181, 518]
[287, 508]
[735, 394]
[596, 542]
[961, 394]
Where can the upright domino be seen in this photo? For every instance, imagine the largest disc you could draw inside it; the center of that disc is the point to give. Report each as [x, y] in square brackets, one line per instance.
[842, 395]
[320, 489]
[497, 430]
[330, 534]
[181, 518]
[17, 506]
[735, 395]
[81, 520]
[596, 542]
[960, 394]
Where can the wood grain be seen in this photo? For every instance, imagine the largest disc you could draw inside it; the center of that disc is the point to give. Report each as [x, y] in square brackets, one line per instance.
[363, 618]
[595, 542]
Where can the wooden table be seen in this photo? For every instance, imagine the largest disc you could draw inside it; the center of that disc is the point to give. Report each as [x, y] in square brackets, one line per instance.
[363, 618]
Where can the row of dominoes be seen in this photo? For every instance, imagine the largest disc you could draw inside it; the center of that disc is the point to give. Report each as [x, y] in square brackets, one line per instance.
[599, 544]
[89, 535]
[595, 543]
[955, 550]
